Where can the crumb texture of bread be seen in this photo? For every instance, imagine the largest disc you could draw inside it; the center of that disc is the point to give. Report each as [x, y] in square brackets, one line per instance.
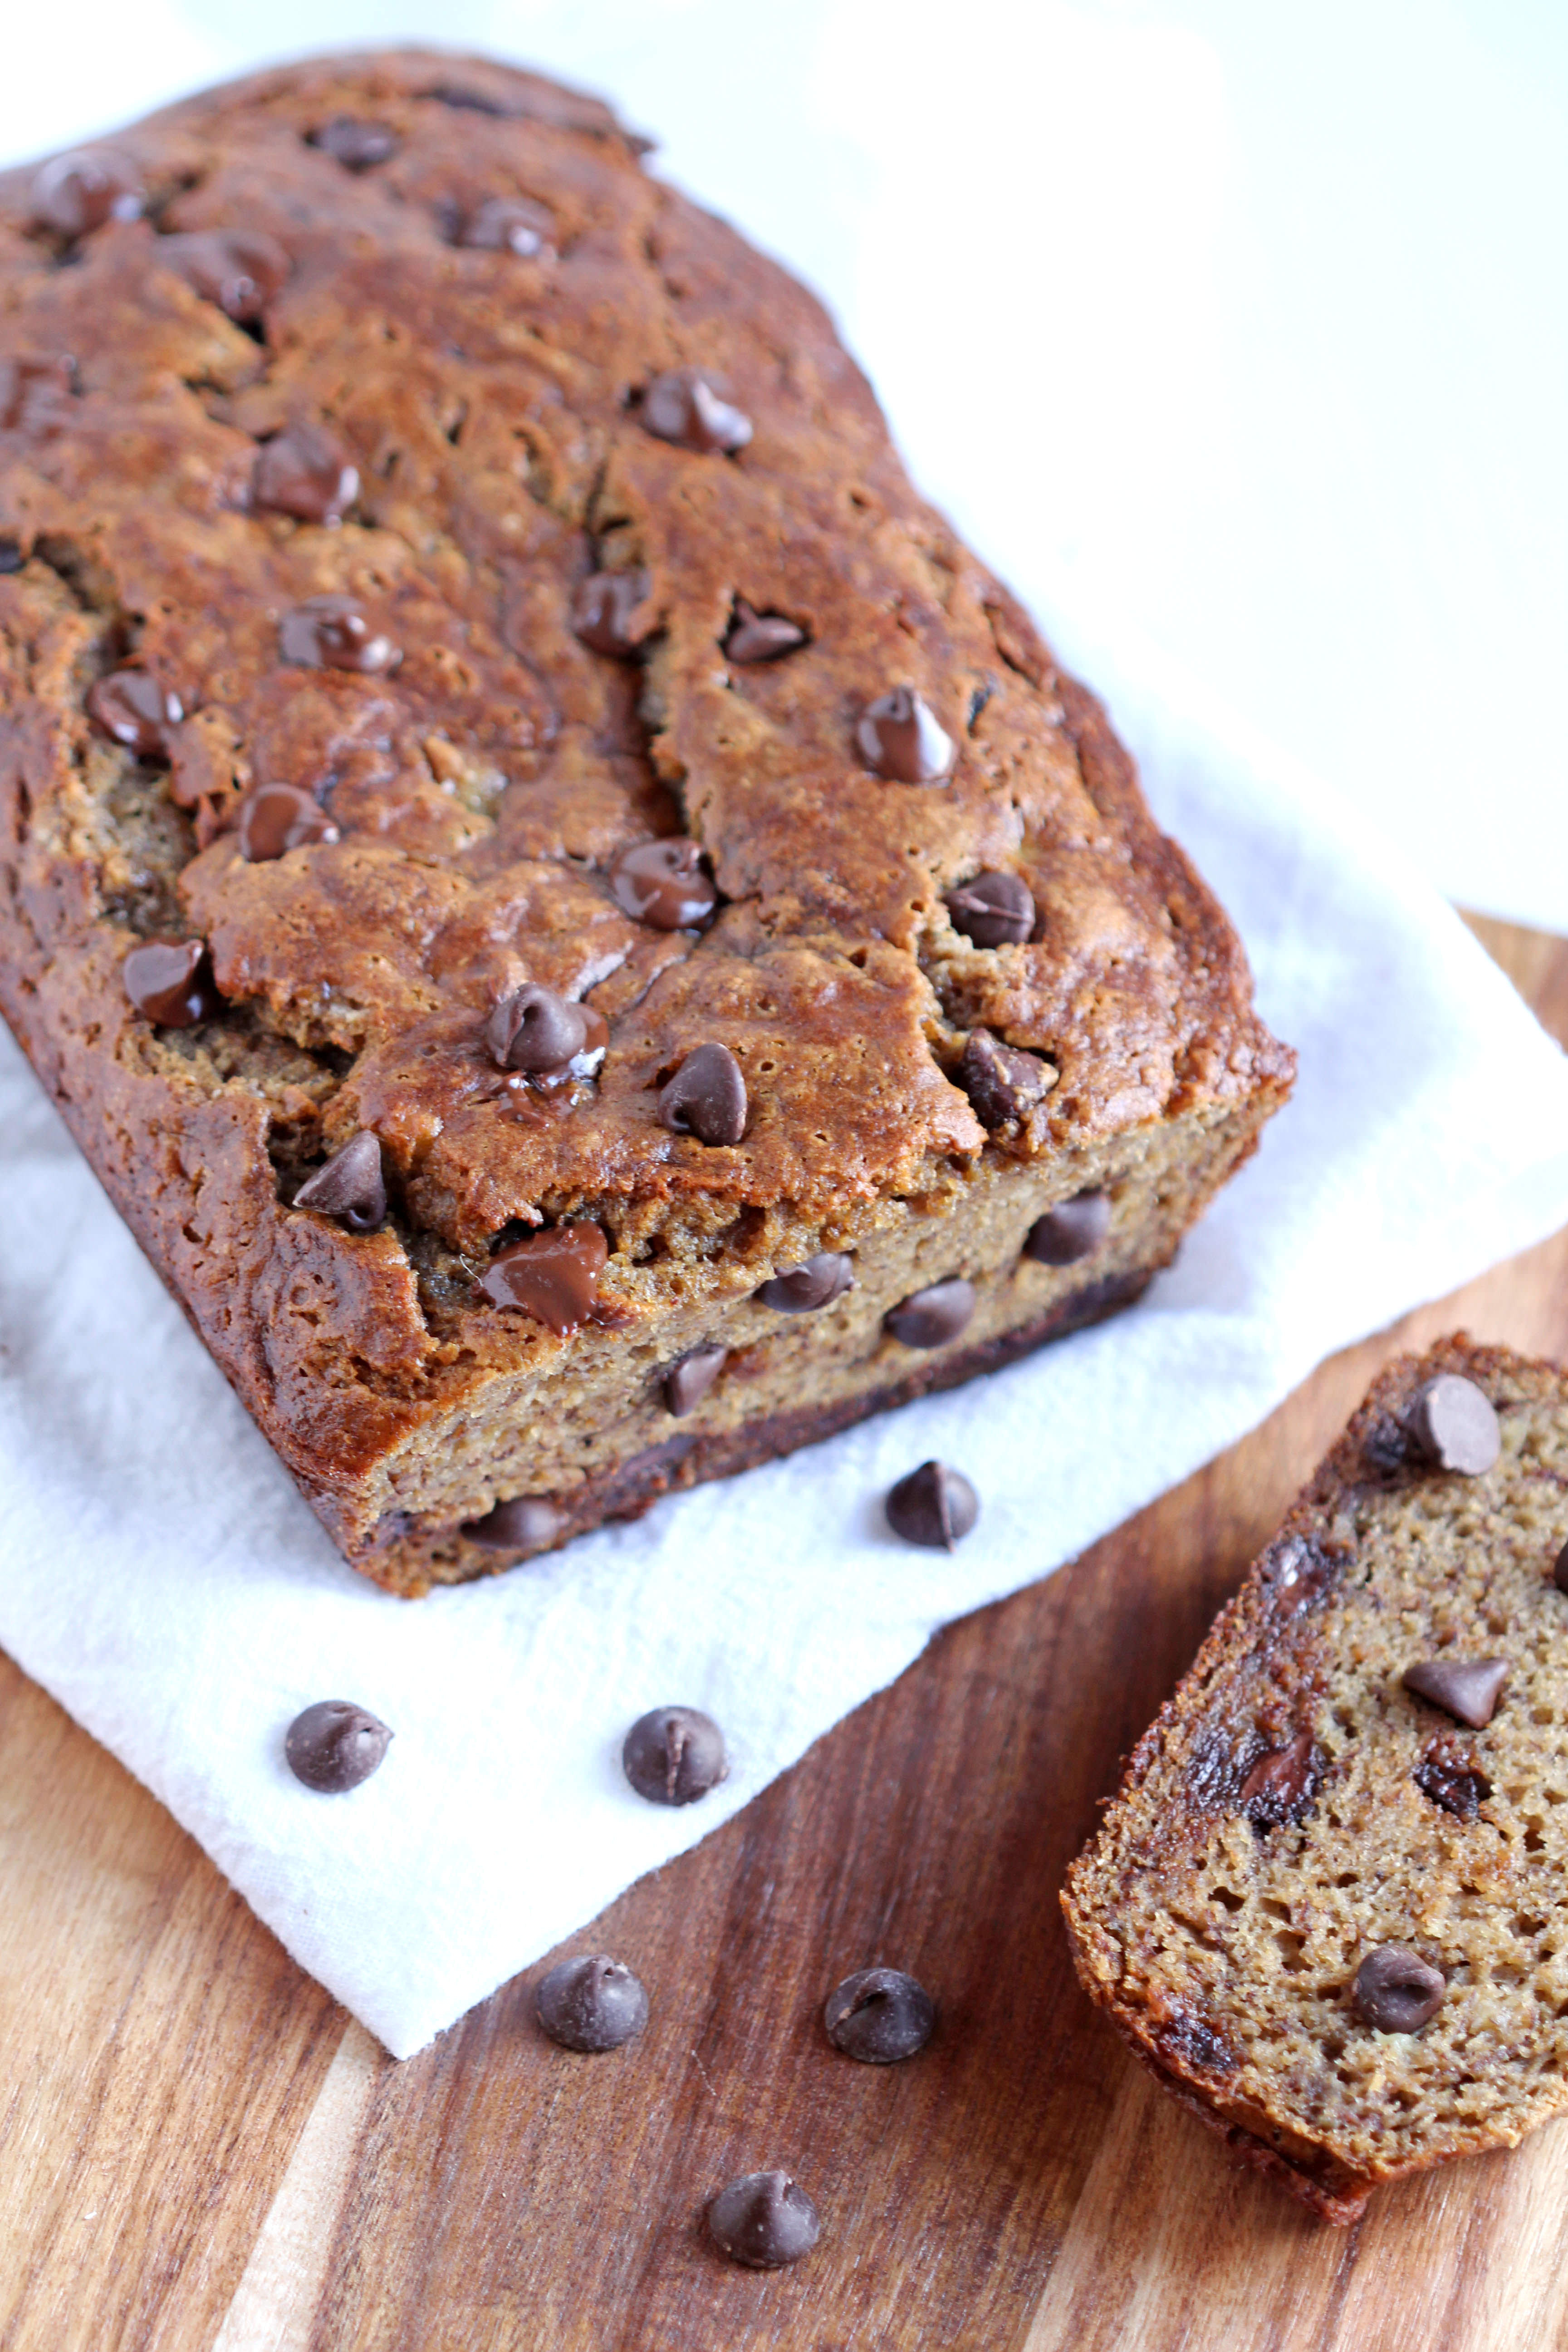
[410, 331]
[1295, 1807]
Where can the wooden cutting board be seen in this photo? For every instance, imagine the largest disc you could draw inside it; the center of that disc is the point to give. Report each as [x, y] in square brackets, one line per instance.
[198, 2148]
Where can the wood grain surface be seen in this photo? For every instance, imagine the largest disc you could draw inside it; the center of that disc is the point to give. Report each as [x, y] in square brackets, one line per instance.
[199, 2149]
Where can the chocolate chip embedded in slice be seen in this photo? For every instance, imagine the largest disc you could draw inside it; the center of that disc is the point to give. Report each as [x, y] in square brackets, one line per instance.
[688, 409]
[1455, 1424]
[590, 2003]
[603, 607]
[1396, 1990]
[662, 884]
[765, 2219]
[1073, 1229]
[1455, 1782]
[802, 1289]
[170, 981]
[240, 269]
[706, 1098]
[510, 224]
[933, 1506]
[1003, 1082]
[131, 707]
[534, 1029]
[75, 193]
[522, 1521]
[335, 1745]
[279, 817]
[899, 738]
[673, 1755]
[1465, 1688]
[11, 558]
[1560, 1573]
[332, 632]
[688, 1381]
[552, 1275]
[1282, 1784]
[880, 2015]
[356, 142]
[930, 1318]
[350, 1186]
[305, 472]
[994, 910]
[760, 636]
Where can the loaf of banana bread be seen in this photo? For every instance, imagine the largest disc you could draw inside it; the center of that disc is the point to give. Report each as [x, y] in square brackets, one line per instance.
[585, 933]
[1327, 1907]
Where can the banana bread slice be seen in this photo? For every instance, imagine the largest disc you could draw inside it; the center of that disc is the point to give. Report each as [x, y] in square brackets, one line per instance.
[1329, 1905]
[586, 934]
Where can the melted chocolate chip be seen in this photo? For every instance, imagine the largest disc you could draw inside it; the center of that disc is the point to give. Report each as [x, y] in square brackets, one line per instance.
[357, 143]
[899, 738]
[706, 1098]
[1465, 1688]
[240, 269]
[305, 472]
[1395, 1990]
[686, 407]
[1386, 1444]
[552, 1275]
[1282, 1784]
[1456, 1782]
[472, 101]
[880, 2015]
[673, 1755]
[1072, 1230]
[765, 2219]
[930, 1318]
[522, 1521]
[171, 981]
[802, 1289]
[688, 1381]
[1560, 1573]
[333, 1746]
[592, 2003]
[275, 817]
[603, 607]
[129, 706]
[1456, 1425]
[34, 395]
[994, 910]
[662, 884]
[535, 1030]
[10, 556]
[350, 1186]
[510, 224]
[933, 1506]
[760, 636]
[332, 632]
[75, 193]
[1003, 1083]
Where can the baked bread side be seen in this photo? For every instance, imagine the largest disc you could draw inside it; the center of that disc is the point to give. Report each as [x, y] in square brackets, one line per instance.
[1325, 1906]
[657, 961]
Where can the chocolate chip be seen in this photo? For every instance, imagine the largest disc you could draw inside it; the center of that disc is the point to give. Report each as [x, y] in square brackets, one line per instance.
[662, 884]
[1455, 1782]
[933, 1506]
[75, 193]
[1003, 1083]
[1560, 1573]
[129, 706]
[1282, 1784]
[510, 224]
[899, 738]
[350, 1186]
[240, 269]
[880, 2015]
[1072, 1230]
[930, 1318]
[994, 910]
[590, 2003]
[686, 407]
[522, 1520]
[305, 472]
[802, 1289]
[674, 1755]
[275, 817]
[1465, 1688]
[11, 557]
[357, 143]
[334, 1746]
[688, 1381]
[34, 395]
[471, 100]
[332, 632]
[1395, 1990]
[533, 1029]
[706, 1098]
[171, 981]
[765, 2219]
[760, 636]
[1456, 1425]
[552, 1275]
[602, 609]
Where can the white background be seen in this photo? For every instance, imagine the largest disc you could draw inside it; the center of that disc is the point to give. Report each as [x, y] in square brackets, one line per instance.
[1238, 328]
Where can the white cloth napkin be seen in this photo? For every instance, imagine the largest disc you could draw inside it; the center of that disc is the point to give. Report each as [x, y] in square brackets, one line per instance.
[160, 1577]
